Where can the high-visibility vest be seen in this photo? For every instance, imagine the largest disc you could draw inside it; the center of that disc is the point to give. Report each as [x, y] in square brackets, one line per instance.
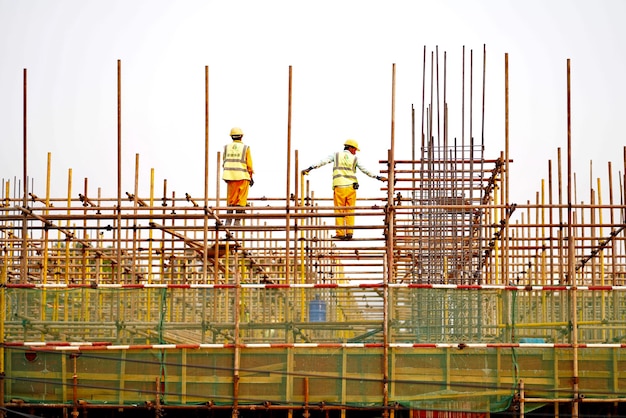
[344, 169]
[235, 164]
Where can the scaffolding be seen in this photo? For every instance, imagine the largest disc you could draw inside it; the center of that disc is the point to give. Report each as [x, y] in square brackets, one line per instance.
[449, 298]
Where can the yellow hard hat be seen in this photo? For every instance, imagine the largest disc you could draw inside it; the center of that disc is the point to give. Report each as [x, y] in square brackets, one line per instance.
[236, 132]
[351, 143]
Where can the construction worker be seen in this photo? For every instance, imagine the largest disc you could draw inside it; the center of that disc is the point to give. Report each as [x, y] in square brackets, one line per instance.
[345, 185]
[237, 173]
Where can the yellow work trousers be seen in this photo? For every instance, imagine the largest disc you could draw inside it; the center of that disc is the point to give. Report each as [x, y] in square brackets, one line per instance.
[237, 192]
[346, 198]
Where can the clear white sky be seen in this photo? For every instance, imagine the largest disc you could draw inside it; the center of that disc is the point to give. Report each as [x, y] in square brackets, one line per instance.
[341, 53]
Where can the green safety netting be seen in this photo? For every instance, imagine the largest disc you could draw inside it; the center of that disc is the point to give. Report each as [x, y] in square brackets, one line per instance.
[290, 350]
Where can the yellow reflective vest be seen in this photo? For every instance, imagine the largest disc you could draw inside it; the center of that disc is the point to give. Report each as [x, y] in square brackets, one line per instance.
[235, 162]
[344, 169]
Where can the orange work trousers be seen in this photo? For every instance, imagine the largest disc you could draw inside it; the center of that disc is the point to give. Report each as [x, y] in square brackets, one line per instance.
[346, 198]
[237, 192]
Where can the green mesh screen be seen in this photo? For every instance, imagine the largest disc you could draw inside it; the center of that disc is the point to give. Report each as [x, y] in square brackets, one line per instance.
[447, 349]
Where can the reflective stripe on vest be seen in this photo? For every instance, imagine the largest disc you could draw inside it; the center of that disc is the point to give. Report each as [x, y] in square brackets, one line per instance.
[344, 170]
[235, 164]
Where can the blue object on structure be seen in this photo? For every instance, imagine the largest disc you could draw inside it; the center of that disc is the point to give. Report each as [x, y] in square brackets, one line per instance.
[317, 310]
[532, 341]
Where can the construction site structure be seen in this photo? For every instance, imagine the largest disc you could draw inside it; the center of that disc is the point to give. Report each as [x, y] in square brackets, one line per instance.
[449, 301]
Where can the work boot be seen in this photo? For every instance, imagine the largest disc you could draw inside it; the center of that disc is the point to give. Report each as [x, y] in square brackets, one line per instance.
[228, 221]
[238, 221]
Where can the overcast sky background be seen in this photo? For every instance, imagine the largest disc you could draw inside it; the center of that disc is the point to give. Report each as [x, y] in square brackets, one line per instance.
[341, 53]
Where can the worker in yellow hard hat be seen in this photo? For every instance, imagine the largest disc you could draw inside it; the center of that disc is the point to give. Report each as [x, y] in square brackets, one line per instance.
[345, 185]
[237, 173]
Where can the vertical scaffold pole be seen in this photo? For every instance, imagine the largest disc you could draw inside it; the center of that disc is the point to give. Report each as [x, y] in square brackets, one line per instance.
[612, 221]
[119, 175]
[133, 270]
[288, 183]
[206, 177]
[570, 250]
[24, 253]
[505, 258]
[237, 349]
[388, 276]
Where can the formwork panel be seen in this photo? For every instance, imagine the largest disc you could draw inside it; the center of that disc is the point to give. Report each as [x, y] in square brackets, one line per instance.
[205, 375]
[36, 377]
[449, 379]
[364, 375]
[322, 368]
[349, 375]
[601, 372]
[263, 376]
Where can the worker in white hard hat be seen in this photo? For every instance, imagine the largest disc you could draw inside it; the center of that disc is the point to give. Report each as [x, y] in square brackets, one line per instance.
[345, 185]
[237, 173]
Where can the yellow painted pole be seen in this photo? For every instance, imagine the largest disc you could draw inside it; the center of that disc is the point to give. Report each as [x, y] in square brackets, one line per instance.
[496, 246]
[303, 244]
[544, 308]
[44, 249]
[7, 201]
[612, 222]
[3, 281]
[67, 261]
[45, 232]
